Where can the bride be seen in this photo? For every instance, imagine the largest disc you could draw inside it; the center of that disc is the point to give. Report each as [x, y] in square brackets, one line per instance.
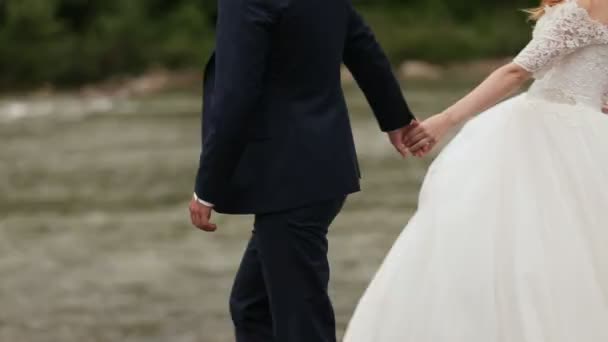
[510, 242]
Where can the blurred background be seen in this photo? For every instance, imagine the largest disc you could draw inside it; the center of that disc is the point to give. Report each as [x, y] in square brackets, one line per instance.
[99, 140]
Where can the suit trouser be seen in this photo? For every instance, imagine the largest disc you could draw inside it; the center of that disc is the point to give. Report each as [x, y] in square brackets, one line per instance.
[280, 292]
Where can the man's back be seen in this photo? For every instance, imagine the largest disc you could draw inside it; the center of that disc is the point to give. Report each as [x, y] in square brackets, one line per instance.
[308, 46]
[276, 127]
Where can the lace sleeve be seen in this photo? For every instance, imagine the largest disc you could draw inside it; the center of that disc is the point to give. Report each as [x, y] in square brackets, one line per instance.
[563, 30]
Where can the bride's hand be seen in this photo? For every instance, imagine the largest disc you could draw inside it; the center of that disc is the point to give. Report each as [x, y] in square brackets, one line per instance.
[431, 132]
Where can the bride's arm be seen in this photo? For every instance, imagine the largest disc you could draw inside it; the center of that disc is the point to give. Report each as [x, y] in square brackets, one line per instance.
[500, 84]
[560, 34]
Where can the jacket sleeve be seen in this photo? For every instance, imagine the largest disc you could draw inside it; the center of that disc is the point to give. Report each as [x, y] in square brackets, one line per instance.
[372, 70]
[241, 56]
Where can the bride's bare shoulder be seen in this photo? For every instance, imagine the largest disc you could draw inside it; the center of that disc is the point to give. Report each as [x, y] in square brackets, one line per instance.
[598, 9]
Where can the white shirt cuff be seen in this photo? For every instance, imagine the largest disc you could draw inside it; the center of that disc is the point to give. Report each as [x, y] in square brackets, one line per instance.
[205, 203]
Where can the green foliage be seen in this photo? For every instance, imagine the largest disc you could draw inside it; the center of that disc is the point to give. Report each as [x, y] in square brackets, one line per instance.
[436, 36]
[69, 42]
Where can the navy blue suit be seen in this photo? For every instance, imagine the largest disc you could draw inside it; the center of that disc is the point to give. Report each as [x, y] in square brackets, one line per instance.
[277, 143]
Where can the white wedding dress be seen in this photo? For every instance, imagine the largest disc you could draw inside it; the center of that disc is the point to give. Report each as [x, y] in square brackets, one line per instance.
[510, 242]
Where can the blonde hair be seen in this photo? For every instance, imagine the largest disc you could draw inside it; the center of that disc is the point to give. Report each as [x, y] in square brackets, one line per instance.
[538, 12]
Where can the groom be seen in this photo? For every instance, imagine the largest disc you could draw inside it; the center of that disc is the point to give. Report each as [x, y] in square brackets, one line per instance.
[278, 144]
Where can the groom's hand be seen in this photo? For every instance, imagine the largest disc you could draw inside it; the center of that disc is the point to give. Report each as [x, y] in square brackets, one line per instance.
[423, 139]
[397, 138]
[201, 216]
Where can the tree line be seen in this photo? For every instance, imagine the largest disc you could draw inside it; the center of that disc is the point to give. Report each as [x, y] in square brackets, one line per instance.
[70, 42]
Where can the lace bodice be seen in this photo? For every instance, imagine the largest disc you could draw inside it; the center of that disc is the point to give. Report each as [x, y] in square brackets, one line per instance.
[568, 56]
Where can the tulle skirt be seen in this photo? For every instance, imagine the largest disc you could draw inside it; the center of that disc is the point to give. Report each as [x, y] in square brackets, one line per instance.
[510, 242]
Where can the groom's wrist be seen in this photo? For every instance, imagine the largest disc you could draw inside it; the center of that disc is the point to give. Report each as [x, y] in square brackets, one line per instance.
[203, 202]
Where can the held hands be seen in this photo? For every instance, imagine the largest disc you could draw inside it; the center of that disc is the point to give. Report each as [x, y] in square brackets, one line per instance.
[419, 139]
[397, 138]
[420, 142]
[201, 216]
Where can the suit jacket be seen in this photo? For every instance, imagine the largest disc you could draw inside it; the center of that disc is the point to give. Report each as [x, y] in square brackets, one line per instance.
[276, 130]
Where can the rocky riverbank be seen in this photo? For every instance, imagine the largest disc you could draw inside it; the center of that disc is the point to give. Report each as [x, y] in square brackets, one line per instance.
[120, 94]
